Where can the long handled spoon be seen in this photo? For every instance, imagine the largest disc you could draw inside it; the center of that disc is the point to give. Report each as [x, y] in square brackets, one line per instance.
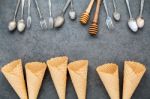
[85, 15]
[29, 14]
[72, 12]
[116, 14]
[109, 21]
[140, 19]
[42, 20]
[131, 22]
[21, 24]
[93, 29]
[51, 20]
[12, 24]
[59, 20]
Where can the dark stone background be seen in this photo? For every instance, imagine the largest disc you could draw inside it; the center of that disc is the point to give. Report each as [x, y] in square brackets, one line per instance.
[73, 40]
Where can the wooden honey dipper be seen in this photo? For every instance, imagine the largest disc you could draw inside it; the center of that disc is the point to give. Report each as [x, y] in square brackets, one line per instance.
[85, 16]
[93, 29]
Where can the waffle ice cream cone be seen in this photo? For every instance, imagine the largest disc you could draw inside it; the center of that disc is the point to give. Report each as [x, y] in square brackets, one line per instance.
[34, 74]
[58, 70]
[78, 72]
[110, 78]
[133, 73]
[13, 72]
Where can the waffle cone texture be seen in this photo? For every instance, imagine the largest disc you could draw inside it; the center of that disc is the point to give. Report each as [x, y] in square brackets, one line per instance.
[58, 70]
[34, 74]
[108, 74]
[133, 73]
[13, 72]
[78, 73]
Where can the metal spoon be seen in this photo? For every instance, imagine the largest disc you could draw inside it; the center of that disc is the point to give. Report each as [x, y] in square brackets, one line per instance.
[116, 14]
[72, 12]
[21, 24]
[109, 21]
[12, 24]
[131, 22]
[140, 19]
[59, 20]
[29, 14]
[51, 20]
[42, 20]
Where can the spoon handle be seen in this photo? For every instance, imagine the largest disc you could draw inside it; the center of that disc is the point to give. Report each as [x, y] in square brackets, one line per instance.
[128, 5]
[90, 6]
[96, 15]
[106, 9]
[50, 8]
[114, 3]
[22, 8]
[142, 6]
[38, 9]
[29, 6]
[66, 6]
[71, 5]
[16, 10]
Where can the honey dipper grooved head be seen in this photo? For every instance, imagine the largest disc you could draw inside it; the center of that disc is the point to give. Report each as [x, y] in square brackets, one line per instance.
[93, 29]
[84, 18]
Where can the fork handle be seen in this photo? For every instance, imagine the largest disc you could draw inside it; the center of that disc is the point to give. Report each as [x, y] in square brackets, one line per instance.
[50, 7]
[29, 6]
[96, 15]
[38, 9]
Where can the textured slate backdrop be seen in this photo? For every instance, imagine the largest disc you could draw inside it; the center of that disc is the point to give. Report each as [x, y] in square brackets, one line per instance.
[73, 40]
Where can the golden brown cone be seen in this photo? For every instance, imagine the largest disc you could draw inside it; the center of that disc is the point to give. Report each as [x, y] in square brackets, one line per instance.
[58, 70]
[34, 73]
[78, 72]
[133, 73]
[13, 72]
[110, 78]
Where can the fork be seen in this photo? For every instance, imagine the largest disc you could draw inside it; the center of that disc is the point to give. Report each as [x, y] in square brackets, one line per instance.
[42, 20]
[109, 21]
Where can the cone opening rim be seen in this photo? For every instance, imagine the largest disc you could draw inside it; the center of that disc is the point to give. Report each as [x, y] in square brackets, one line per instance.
[77, 65]
[57, 61]
[35, 66]
[109, 68]
[135, 66]
[11, 66]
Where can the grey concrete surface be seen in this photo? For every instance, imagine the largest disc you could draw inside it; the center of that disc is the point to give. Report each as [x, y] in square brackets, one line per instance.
[73, 40]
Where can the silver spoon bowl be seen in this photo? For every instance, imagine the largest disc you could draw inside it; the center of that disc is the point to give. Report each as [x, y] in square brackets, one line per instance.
[132, 25]
[140, 22]
[59, 20]
[116, 16]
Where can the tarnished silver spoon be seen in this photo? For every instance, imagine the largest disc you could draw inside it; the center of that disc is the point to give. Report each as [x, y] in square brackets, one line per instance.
[116, 14]
[131, 22]
[13, 24]
[59, 20]
[21, 23]
[140, 19]
[72, 12]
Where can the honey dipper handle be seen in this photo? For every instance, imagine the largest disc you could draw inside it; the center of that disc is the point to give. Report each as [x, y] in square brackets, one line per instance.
[90, 6]
[96, 15]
